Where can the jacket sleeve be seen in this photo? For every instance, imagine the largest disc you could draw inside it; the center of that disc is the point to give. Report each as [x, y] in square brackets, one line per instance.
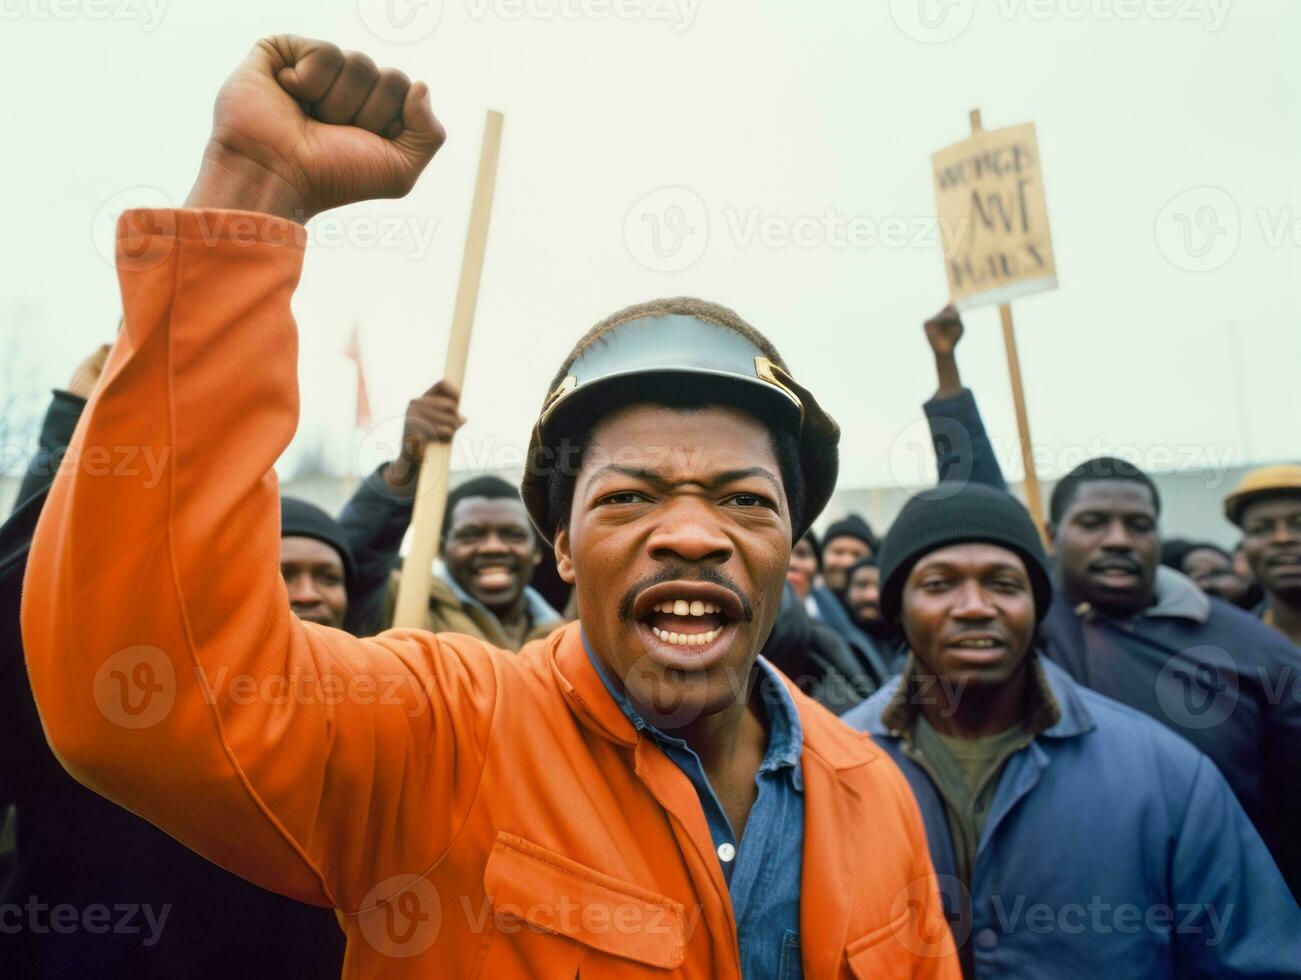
[170, 675]
[23, 752]
[375, 519]
[56, 433]
[1232, 914]
[1282, 760]
[962, 448]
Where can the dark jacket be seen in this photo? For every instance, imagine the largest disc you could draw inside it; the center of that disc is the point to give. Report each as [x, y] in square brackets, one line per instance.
[168, 913]
[1112, 849]
[877, 658]
[1211, 672]
[817, 659]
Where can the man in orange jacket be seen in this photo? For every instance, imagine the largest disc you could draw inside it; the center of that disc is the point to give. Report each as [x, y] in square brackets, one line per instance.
[638, 795]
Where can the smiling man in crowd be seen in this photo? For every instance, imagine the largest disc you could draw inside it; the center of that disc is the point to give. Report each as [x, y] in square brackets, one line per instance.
[1267, 507]
[489, 553]
[1142, 633]
[1134, 856]
[639, 791]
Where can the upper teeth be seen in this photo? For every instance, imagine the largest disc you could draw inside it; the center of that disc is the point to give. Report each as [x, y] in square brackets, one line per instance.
[684, 607]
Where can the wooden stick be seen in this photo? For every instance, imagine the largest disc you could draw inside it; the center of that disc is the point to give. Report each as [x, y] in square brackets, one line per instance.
[1033, 495]
[435, 466]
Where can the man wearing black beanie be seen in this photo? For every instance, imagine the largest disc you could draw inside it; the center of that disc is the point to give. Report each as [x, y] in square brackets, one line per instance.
[1143, 634]
[315, 562]
[1032, 785]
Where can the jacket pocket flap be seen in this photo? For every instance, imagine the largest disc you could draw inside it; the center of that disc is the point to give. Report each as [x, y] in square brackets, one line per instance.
[561, 896]
[874, 955]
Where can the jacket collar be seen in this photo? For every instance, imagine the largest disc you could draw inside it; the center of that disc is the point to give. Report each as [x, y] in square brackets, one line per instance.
[584, 689]
[538, 610]
[1178, 597]
[1056, 711]
[837, 746]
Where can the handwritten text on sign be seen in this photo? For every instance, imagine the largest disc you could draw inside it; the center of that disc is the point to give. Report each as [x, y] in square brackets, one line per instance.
[993, 217]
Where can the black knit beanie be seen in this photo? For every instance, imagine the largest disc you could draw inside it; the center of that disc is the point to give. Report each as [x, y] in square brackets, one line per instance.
[952, 513]
[851, 526]
[299, 519]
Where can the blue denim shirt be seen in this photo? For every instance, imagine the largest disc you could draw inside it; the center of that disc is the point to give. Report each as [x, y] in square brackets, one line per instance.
[763, 869]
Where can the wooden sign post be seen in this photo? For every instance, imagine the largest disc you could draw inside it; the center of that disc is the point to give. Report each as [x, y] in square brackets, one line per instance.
[435, 466]
[994, 226]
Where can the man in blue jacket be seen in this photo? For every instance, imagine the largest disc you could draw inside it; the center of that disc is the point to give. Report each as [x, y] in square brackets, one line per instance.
[1073, 837]
[1143, 634]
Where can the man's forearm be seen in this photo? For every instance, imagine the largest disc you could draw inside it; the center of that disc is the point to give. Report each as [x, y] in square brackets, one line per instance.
[375, 519]
[950, 380]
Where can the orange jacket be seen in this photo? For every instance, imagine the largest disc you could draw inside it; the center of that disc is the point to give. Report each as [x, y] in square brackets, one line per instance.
[468, 812]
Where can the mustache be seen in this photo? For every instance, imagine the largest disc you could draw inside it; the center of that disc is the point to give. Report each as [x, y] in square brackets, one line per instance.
[683, 573]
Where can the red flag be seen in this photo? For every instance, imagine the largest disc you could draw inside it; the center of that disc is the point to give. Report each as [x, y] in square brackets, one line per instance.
[353, 353]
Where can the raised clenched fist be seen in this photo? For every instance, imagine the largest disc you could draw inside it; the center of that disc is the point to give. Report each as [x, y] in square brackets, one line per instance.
[301, 126]
[944, 330]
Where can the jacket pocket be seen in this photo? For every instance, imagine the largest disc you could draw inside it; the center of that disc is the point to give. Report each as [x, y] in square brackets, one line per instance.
[880, 954]
[549, 896]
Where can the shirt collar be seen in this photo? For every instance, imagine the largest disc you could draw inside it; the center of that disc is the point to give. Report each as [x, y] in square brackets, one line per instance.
[785, 732]
[537, 609]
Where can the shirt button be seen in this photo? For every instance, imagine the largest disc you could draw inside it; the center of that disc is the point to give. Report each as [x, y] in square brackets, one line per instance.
[726, 852]
[987, 938]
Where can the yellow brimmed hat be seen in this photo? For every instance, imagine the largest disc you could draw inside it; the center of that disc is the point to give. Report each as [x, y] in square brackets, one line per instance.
[1267, 481]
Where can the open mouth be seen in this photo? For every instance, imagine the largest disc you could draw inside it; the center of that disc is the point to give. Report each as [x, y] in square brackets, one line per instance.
[978, 648]
[687, 625]
[491, 577]
[1116, 570]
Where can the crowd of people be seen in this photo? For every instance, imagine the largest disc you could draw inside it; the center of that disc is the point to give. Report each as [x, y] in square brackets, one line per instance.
[630, 738]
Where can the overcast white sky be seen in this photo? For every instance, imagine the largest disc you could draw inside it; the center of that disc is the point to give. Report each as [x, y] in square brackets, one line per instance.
[1169, 134]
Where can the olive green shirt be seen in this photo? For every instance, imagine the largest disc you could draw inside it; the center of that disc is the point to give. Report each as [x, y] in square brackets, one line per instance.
[966, 771]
